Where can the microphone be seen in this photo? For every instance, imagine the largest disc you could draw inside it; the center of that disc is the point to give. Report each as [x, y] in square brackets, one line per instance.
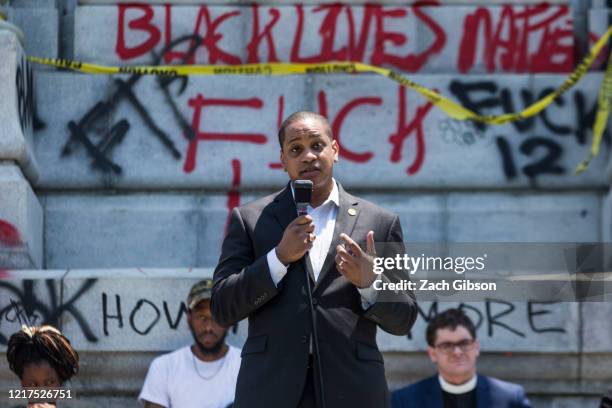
[302, 190]
[303, 194]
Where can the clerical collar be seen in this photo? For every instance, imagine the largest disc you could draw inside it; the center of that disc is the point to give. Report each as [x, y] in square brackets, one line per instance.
[334, 196]
[458, 389]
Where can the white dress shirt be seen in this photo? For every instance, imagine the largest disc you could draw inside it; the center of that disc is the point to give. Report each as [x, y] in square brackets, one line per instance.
[324, 220]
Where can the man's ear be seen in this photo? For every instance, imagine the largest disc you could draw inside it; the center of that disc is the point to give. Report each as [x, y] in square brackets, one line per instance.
[432, 355]
[282, 159]
[336, 149]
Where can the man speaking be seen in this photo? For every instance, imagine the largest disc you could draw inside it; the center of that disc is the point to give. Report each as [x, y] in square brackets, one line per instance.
[274, 261]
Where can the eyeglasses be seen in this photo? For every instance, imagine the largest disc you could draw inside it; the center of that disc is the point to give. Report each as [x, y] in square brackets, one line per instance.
[448, 347]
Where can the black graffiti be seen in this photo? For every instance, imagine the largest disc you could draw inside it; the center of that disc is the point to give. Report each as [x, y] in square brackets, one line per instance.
[24, 81]
[143, 316]
[547, 163]
[460, 132]
[542, 152]
[94, 122]
[495, 314]
[533, 312]
[152, 322]
[106, 316]
[45, 312]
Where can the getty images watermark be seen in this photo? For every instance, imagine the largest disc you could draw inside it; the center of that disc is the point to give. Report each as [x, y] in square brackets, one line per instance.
[507, 271]
[415, 264]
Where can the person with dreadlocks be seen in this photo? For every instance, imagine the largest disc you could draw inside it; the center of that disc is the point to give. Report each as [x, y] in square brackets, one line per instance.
[42, 357]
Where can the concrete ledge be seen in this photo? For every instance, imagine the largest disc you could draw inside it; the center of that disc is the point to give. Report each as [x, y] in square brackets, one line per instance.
[174, 229]
[21, 218]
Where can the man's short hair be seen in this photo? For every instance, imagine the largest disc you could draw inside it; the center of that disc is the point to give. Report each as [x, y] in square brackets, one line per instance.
[301, 115]
[449, 319]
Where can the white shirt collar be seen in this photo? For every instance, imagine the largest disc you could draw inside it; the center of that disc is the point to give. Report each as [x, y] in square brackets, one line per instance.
[458, 389]
[334, 196]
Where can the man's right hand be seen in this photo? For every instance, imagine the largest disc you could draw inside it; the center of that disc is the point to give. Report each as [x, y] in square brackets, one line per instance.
[297, 240]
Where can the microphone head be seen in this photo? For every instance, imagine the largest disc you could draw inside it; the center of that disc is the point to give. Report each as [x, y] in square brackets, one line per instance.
[303, 191]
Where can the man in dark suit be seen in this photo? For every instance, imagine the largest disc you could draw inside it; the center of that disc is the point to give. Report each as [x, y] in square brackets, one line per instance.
[262, 275]
[453, 347]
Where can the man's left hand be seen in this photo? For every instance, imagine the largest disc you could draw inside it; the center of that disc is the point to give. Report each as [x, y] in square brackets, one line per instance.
[355, 264]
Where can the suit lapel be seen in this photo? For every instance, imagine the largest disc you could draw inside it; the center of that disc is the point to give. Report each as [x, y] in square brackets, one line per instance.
[284, 207]
[433, 396]
[285, 211]
[482, 393]
[345, 222]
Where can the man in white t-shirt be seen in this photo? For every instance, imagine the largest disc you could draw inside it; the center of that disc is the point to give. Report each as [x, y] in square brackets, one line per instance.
[202, 375]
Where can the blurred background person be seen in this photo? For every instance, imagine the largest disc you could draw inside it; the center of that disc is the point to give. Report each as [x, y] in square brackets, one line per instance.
[41, 357]
[454, 349]
[202, 375]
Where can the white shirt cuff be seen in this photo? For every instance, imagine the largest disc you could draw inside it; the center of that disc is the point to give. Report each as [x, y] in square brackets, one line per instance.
[277, 269]
[368, 295]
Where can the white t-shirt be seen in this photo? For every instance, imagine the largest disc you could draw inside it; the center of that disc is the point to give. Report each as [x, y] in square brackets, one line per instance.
[173, 382]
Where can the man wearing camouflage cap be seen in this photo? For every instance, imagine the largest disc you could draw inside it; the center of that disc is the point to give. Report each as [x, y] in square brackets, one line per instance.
[200, 375]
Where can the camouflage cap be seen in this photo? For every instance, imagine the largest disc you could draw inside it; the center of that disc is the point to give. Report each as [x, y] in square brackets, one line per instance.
[202, 290]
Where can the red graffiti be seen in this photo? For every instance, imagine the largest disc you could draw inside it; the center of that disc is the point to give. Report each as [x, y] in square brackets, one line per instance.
[4, 274]
[410, 62]
[518, 39]
[9, 235]
[279, 122]
[198, 103]
[336, 124]
[143, 23]
[206, 28]
[233, 195]
[404, 130]
[509, 43]
[257, 37]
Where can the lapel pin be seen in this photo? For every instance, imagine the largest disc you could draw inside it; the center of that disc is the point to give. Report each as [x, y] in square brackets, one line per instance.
[352, 211]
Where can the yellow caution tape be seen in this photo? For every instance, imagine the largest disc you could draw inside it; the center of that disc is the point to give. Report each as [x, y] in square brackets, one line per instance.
[601, 118]
[451, 108]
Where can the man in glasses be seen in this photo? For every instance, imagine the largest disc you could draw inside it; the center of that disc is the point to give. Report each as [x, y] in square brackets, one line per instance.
[454, 349]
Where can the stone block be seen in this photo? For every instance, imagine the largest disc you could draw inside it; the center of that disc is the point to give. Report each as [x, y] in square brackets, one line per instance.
[462, 37]
[236, 132]
[501, 327]
[132, 310]
[599, 20]
[16, 105]
[132, 231]
[422, 215]
[120, 42]
[40, 4]
[21, 221]
[40, 26]
[504, 217]
[37, 294]
[596, 327]
[392, 137]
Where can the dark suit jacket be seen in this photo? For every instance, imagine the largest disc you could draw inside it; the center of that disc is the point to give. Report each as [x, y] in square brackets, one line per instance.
[275, 355]
[490, 393]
